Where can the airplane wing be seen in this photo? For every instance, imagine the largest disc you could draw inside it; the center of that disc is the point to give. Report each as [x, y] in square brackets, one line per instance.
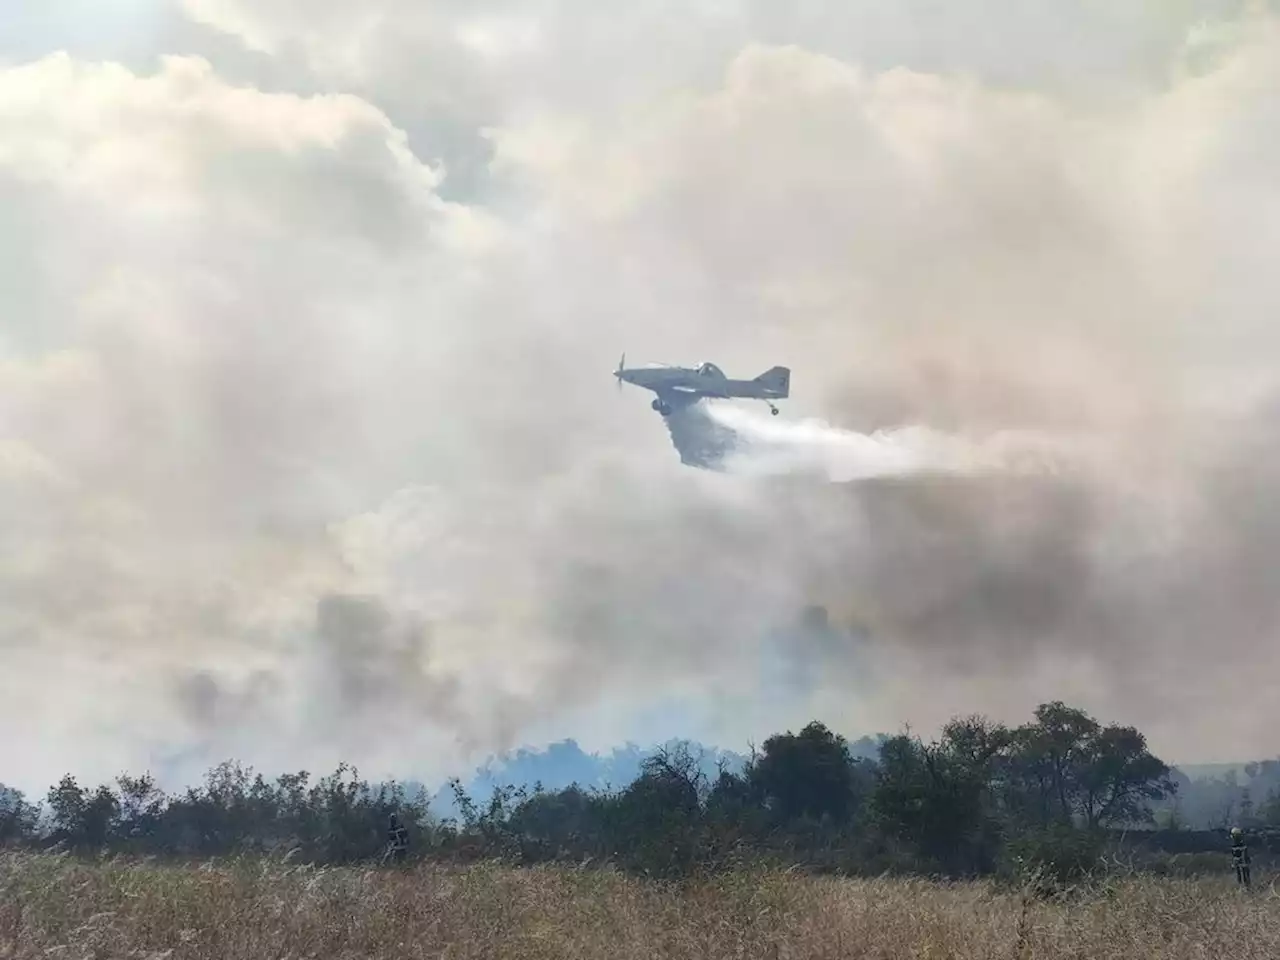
[678, 398]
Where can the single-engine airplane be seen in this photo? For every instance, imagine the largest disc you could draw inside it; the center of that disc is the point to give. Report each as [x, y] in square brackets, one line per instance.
[680, 387]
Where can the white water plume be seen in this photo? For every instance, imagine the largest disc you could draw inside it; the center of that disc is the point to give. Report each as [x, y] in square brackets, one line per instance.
[765, 446]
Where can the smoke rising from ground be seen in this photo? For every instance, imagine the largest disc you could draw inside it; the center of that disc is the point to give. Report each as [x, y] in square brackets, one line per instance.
[309, 448]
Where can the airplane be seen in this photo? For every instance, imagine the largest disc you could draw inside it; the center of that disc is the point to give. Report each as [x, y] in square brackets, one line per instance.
[680, 387]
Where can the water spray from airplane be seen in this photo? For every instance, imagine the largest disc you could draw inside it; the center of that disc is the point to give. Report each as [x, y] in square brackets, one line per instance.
[815, 448]
[712, 434]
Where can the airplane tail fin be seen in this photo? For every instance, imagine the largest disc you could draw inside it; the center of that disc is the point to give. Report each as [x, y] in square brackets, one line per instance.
[777, 380]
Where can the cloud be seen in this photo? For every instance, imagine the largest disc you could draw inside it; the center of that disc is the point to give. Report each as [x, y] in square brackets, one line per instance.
[304, 458]
[450, 70]
[492, 54]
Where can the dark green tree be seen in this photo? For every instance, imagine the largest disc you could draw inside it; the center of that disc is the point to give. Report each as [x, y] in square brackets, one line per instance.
[560, 825]
[937, 797]
[82, 819]
[17, 817]
[141, 809]
[1269, 811]
[1119, 778]
[1059, 744]
[809, 775]
[1067, 768]
[654, 825]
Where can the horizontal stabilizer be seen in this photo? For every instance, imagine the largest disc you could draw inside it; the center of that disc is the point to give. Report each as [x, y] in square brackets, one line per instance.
[777, 380]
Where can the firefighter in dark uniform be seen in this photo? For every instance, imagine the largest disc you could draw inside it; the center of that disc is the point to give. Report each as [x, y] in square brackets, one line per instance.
[1240, 856]
[397, 839]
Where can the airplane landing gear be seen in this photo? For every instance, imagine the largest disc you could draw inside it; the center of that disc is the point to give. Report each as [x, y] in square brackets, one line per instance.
[773, 409]
[661, 407]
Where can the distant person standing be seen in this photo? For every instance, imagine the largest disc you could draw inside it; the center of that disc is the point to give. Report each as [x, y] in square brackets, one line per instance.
[1240, 856]
[397, 839]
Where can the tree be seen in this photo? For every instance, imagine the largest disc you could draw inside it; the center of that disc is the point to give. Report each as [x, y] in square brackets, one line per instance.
[655, 823]
[938, 796]
[1066, 768]
[810, 774]
[560, 824]
[82, 819]
[141, 807]
[1269, 810]
[1119, 778]
[17, 816]
[1029, 791]
[1056, 746]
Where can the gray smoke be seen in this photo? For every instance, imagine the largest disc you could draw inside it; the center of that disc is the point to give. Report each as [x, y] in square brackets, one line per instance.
[309, 448]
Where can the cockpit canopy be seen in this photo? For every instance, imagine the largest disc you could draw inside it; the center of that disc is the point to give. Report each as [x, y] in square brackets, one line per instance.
[710, 370]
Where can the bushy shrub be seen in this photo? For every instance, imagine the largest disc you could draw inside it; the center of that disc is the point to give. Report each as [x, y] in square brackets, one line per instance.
[1053, 859]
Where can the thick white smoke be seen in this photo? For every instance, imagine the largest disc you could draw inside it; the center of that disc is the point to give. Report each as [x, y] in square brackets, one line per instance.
[309, 448]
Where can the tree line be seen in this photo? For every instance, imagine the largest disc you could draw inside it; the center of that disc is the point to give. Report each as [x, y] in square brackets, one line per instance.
[1246, 794]
[979, 799]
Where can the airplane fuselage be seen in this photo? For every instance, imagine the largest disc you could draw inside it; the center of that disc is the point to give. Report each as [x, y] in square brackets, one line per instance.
[678, 387]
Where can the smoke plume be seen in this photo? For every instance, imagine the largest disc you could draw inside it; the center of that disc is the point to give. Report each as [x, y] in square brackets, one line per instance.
[309, 448]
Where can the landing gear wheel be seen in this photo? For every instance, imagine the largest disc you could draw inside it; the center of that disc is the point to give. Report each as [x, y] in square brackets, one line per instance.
[774, 411]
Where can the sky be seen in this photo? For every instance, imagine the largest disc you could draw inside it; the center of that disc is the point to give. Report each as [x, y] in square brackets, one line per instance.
[310, 449]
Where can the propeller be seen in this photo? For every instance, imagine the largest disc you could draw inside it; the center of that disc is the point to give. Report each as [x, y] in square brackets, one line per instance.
[622, 362]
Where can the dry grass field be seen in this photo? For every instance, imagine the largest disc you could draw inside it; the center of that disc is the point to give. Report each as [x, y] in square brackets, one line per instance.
[55, 907]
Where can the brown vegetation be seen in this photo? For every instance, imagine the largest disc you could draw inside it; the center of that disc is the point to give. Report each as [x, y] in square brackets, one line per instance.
[57, 906]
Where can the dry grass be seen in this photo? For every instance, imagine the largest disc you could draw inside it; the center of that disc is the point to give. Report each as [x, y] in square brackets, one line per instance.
[55, 907]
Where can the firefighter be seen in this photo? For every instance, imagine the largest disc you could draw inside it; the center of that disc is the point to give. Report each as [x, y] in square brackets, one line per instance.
[1240, 857]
